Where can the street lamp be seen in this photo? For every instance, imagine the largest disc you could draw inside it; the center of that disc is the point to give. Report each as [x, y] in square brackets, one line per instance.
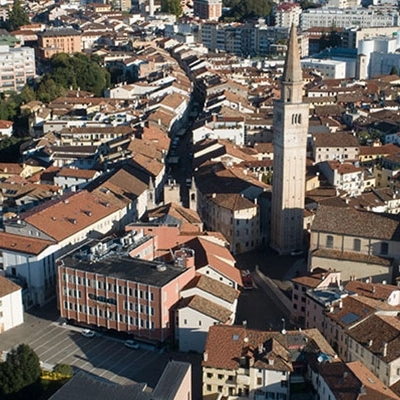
[283, 326]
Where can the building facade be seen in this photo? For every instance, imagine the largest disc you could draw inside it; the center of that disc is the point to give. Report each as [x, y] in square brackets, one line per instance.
[56, 41]
[17, 66]
[290, 140]
[207, 9]
[11, 308]
[116, 292]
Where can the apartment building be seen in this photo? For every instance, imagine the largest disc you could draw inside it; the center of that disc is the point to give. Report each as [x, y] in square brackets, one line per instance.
[344, 176]
[287, 14]
[106, 289]
[207, 9]
[62, 40]
[17, 66]
[342, 18]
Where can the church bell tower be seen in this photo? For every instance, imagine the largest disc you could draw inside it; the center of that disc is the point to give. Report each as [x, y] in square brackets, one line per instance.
[290, 128]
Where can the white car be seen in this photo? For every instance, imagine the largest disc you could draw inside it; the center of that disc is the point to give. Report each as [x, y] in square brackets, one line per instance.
[88, 333]
[131, 344]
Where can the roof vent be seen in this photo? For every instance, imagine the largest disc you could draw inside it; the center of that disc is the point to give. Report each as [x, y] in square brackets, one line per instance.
[161, 267]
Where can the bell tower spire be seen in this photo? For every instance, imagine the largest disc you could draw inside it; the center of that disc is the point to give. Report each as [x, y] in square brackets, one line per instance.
[292, 80]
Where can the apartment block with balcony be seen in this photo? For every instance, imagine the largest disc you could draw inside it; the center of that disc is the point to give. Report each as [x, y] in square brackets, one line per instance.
[17, 65]
[344, 176]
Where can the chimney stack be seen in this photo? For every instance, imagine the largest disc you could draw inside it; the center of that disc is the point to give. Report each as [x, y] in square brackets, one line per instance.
[384, 351]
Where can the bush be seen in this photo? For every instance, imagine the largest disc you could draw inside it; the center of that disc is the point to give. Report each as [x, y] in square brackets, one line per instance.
[63, 369]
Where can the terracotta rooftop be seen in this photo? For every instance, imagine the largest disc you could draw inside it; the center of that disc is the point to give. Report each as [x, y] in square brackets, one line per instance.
[64, 218]
[227, 344]
[77, 173]
[313, 280]
[7, 287]
[351, 222]
[378, 291]
[23, 244]
[214, 287]
[206, 307]
[376, 389]
[335, 140]
[378, 332]
[231, 201]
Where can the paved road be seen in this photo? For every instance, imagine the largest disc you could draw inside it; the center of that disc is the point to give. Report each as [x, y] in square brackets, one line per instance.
[103, 356]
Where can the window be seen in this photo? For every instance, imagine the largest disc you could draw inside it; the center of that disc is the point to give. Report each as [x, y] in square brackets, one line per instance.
[329, 241]
[259, 381]
[357, 245]
[384, 248]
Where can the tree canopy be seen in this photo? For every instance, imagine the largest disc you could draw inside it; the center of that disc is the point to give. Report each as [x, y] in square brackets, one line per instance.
[172, 7]
[77, 71]
[20, 370]
[245, 9]
[16, 17]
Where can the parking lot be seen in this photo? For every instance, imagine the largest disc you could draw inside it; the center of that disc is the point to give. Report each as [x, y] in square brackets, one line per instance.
[103, 356]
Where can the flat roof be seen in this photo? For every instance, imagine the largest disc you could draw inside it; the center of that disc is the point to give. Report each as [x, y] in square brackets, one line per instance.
[125, 267]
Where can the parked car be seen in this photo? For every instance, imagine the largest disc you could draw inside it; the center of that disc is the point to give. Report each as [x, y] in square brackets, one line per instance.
[247, 280]
[88, 333]
[131, 344]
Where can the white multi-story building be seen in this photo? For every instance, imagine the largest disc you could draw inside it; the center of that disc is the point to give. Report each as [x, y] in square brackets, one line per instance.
[342, 18]
[11, 309]
[204, 302]
[377, 55]
[330, 69]
[230, 128]
[287, 14]
[344, 176]
[17, 65]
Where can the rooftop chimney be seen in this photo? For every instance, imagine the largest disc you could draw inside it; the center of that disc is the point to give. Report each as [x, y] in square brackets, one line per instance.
[384, 351]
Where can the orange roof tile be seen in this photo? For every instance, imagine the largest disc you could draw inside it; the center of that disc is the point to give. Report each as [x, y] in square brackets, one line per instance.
[66, 217]
[23, 244]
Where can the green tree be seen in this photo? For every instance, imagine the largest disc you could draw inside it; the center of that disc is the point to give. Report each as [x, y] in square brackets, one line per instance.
[19, 371]
[17, 17]
[49, 90]
[172, 7]
[27, 94]
[78, 71]
[244, 9]
[63, 369]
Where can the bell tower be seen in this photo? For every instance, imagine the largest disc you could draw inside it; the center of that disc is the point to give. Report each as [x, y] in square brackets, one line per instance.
[290, 145]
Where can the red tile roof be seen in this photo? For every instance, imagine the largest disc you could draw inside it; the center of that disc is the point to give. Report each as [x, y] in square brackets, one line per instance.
[66, 217]
[23, 244]
[7, 287]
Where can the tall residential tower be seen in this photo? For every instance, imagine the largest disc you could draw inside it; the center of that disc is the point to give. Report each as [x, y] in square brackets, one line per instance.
[290, 142]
